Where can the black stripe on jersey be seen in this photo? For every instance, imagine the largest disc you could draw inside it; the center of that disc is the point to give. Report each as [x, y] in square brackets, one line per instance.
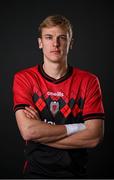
[94, 116]
[55, 81]
[20, 106]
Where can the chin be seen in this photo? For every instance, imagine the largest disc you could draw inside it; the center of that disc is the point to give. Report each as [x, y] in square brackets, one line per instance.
[56, 60]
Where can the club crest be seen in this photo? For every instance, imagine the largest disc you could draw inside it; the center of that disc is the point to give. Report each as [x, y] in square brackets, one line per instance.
[54, 107]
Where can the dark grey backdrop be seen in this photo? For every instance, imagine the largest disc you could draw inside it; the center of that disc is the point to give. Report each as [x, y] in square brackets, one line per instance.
[93, 25]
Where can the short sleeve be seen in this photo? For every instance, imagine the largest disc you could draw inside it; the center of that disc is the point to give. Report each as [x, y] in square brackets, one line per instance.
[22, 92]
[93, 104]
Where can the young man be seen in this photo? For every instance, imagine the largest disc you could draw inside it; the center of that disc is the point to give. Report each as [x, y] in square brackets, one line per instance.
[58, 108]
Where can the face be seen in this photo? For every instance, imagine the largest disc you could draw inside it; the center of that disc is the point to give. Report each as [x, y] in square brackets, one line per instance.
[55, 42]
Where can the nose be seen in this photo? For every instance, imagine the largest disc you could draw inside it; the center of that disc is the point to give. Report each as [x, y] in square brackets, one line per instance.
[56, 42]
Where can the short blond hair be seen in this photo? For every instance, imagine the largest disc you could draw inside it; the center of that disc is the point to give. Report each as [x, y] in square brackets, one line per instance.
[56, 20]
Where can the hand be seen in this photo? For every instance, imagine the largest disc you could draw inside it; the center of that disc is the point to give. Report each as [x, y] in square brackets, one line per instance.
[31, 113]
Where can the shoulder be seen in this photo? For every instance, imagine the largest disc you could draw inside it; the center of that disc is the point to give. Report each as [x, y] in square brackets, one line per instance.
[85, 78]
[83, 74]
[27, 72]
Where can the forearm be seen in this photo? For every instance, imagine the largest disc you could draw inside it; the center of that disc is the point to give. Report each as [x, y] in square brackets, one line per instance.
[77, 140]
[37, 130]
[70, 129]
[32, 128]
[59, 136]
[45, 133]
[87, 138]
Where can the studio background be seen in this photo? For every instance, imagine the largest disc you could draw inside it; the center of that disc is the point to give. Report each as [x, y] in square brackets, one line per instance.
[92, 50]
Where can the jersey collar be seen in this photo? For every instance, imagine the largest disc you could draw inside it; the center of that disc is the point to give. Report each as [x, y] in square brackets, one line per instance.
[55, 81]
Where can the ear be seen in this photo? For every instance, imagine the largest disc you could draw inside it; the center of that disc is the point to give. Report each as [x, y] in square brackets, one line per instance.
[39, 43]
[71, 43]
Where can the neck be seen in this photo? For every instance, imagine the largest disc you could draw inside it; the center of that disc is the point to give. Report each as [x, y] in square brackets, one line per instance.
[55, 70]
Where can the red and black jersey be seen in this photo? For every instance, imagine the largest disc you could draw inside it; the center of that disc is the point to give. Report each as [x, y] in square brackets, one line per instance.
[73, 98]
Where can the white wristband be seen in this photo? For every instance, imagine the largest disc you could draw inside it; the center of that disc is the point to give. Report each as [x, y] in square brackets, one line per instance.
[73, 128]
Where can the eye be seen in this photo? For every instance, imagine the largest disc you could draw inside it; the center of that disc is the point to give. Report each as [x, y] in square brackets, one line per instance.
[48, 37]
[63, 37]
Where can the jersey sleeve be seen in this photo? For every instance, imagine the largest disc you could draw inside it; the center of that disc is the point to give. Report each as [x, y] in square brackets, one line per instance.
[93, 105]
[22, 92]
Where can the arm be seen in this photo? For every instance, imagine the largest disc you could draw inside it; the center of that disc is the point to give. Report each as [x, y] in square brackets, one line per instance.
[87, 138]
[35, 129]
[32, 128]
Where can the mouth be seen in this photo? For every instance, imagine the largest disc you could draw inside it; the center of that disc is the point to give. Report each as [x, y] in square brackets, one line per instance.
[56, 51]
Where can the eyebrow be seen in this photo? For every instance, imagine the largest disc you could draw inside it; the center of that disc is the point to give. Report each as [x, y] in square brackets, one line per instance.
[58, 35]
[47, 34]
